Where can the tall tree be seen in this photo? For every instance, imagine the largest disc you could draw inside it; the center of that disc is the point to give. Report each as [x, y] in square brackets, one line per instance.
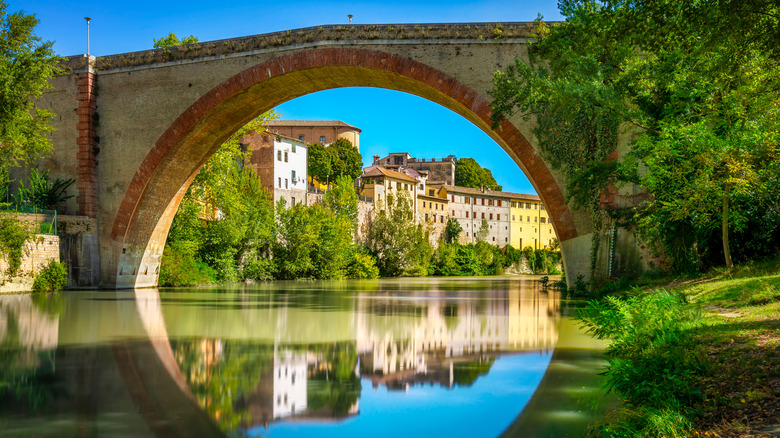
[468, 173]
[340, 158]
[26, 64]
[702, 109]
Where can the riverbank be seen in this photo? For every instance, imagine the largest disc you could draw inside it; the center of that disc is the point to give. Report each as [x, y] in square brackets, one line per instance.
[695, 357]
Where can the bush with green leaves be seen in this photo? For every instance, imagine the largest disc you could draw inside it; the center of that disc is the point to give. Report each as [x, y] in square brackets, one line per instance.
[12, 237]
[52, 278]
[653, 361]
[41, 192]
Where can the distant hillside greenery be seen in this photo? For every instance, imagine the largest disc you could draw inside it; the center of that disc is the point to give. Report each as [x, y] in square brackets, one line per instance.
[468, 173]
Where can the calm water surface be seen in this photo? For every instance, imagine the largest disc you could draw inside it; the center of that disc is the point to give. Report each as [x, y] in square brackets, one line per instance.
[470, 357]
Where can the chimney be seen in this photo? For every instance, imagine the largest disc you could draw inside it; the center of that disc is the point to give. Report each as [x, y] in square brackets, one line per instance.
[376, 159]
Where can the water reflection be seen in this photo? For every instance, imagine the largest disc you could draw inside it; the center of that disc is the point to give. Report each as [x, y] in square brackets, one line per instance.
[455, 357]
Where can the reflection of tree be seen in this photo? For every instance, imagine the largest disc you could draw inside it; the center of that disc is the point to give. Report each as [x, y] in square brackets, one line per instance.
[334, 387]
[26, 376]
[466, 373]
[221, 375]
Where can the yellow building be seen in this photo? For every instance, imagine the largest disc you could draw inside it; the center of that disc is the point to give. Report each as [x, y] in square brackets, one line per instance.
[432, 205]
[530, 224]
[378, 183]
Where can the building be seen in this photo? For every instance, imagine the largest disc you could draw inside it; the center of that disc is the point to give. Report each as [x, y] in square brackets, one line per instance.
[315, 131]
[439, 172]
[470, 206]
[531, 226]
[513, 218]
[280, 162]
[377, 183]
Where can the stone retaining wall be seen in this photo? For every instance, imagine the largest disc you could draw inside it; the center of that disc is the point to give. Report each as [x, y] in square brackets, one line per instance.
[39, 251]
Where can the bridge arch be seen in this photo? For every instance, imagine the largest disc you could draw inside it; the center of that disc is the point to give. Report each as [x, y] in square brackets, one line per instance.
[140, 226]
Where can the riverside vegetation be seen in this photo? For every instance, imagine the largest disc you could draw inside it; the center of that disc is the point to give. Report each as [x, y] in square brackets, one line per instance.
[690, 89]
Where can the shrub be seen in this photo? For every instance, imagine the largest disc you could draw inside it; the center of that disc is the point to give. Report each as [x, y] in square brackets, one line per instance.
[363, 266]
[259, 269]
[181, 268]
[52, 278]
[12, 237]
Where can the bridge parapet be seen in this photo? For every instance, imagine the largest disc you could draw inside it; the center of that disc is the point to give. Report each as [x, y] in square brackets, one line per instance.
[485, 32]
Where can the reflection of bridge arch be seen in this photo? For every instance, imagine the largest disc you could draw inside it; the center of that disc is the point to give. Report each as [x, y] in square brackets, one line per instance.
[135, 360]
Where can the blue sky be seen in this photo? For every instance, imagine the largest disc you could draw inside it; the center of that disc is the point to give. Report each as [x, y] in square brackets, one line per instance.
[390, 120]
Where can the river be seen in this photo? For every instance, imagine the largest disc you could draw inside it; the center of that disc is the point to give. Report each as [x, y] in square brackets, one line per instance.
[455, 357]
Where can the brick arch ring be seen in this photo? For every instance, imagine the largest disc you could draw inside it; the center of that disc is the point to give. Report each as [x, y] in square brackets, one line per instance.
[232, 103]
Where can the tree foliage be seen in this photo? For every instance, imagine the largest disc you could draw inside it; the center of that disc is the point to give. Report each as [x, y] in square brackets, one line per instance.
[692, 84]
[341, 158]
[26, 64]
[468, 173]
[400, 245]
[171, 40]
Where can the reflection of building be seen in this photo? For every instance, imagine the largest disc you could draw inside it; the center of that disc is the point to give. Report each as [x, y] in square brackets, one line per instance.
[441, 335]
[289, 394]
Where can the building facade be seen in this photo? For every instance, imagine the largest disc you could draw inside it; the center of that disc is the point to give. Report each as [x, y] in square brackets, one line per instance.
[439, 172]
[471, 206]
[377, 183]
[531, 226]
[281, 164]
[324, 132]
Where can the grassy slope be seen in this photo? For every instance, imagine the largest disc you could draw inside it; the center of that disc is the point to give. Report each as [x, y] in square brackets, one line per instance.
[741, 335]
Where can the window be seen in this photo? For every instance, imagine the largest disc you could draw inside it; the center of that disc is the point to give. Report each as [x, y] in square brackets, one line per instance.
[535, 218]
[491, 216]
[322, 139]
[513, 217]
[285, 156]
[483, 215]
[285, 183]
[423, 204]
[499, 203]
[294, 180]
[280, 182]
[541, 206]
[528, 218]
[442, 219]
[535, 206]
[528, 205]
[430, 192]
[426, 217]
[543, 220]
[499, 216]
[278, 155]
[293, 203]
[494, 238]
[398, 186]
[300, 137]
[292, 148]
[483, 201]
[468, 200]
[453, 212]
[453, 198]
[475, 215]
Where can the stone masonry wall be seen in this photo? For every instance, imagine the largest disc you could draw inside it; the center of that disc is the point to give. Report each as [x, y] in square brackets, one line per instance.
[39, 251]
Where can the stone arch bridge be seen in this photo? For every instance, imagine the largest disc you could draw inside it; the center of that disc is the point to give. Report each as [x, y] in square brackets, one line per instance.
[134, 128]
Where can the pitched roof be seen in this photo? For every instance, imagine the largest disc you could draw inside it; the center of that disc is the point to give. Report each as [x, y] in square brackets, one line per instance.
[470, 191]
[381, 171]
[290, 139]
[307, 123]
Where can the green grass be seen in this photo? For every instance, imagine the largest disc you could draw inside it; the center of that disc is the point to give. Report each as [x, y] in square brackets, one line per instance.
[693, 356]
